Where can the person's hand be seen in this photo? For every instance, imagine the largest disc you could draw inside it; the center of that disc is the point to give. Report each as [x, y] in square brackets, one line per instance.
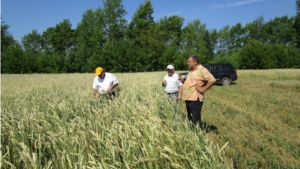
[200, 88]
[180, 78]
[164, 82]
[96, 96]
[179, 98]
[109, 90]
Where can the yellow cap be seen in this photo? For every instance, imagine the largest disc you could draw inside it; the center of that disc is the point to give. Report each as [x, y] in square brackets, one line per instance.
[98, 71]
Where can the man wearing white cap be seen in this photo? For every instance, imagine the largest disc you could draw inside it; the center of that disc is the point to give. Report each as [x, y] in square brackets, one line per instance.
[104, 83]
[173, 87]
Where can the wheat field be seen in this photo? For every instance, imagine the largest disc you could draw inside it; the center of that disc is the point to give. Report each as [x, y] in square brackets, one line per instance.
[54, 121]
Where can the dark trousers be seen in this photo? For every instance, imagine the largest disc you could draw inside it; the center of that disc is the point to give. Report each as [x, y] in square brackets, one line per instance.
[194, 111]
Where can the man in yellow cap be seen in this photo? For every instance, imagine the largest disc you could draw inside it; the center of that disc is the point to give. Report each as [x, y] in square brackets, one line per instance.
[104, 83]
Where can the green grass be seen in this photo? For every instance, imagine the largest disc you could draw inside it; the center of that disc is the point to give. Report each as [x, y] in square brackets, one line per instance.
[259, 116]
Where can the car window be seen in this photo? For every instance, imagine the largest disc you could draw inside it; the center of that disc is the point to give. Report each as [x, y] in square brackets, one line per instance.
[207, 67]
[216, 68]
[227, 68]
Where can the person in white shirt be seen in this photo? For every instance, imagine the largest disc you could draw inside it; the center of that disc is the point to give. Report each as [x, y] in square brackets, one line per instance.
[104, 83]
[172, 84]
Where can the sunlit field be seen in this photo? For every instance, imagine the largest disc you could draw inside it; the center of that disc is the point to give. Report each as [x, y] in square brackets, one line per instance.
[54, 121]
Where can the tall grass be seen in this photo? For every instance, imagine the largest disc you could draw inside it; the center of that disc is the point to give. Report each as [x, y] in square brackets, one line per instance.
[54, 121]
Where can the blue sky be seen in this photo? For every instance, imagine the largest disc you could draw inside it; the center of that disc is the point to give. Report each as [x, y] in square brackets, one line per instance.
[23, 16]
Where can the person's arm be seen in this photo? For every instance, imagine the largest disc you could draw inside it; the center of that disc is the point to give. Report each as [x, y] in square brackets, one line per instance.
[180, 78]
[164, 82]
[203, 89]
[115, 84]
[95, 92]
[210, 81]
[111, 87]
[180, 92]
[94, 86]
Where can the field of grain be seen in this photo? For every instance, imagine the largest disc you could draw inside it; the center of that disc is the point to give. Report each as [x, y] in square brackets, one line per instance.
[54, 121]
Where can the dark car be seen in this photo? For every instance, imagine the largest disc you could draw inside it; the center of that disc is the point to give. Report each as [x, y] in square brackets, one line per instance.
[224, 73]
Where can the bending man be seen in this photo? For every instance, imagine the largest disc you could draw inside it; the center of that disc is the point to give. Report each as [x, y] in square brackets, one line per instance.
[104, 84]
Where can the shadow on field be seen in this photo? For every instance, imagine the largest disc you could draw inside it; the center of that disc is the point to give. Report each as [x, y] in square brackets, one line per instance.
[231, 84]
[209, 127]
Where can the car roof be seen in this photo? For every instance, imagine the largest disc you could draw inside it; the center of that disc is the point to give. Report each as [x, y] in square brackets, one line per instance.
[208, 64]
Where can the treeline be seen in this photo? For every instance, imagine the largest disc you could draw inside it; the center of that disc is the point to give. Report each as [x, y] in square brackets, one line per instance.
[105, 38]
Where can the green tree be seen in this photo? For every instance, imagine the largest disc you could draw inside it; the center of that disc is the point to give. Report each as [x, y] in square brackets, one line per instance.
[11, 59]
[59, 40]
[114, 50]
[280, 30]
[252, 55]
[152, 48]
[62, 38]
[208, 45]
[171, 28]
[293, 57]
[141, 20]
[213, 35]
[254, 30]
[32, 41]
[117, 59]
[33, 45]
[194, 41]
[28, 61]
[139, 31]
[233, 59]
[236, 38]
[297, 30]
[114, 19]
[223, 41]
[47, 45]
[6, 38]
[90, 42]
[132, 56]
[11, 52]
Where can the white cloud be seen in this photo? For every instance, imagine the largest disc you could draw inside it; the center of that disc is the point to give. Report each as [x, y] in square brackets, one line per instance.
[235, 4]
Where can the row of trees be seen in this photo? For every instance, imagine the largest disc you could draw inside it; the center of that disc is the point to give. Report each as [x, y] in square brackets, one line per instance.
[105, 38]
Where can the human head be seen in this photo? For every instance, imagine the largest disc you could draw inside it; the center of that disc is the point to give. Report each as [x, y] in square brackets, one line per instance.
[170, 69]
[99, 71]
[193, 61]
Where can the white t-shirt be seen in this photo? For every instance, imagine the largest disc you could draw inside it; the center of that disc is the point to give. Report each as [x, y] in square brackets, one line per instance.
[103, 84]
[172, 83]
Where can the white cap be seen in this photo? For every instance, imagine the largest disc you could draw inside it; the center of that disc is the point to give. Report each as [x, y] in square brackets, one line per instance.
[170, 67]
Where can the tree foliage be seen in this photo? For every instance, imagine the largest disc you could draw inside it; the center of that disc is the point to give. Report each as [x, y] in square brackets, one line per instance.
[105, 38]
[11, 52]
[32, 42]
[196, 40]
